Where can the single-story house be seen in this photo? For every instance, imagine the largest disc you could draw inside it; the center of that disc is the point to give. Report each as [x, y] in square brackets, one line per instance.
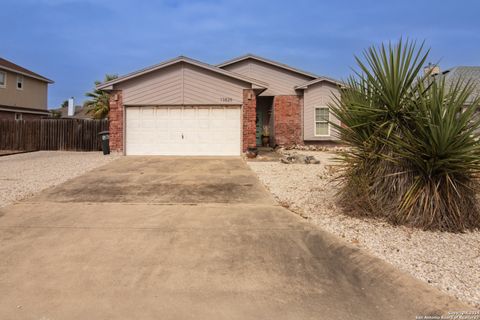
[79, 112]
[186, 107]
[23, 93]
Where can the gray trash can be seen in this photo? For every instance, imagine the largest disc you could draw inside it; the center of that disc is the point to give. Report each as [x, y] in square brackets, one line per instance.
[105, 142]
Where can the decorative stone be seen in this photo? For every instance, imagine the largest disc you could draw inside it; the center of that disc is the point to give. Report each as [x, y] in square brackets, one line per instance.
[299, 159]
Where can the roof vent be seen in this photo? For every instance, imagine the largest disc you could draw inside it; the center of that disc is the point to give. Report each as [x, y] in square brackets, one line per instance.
[431, 69]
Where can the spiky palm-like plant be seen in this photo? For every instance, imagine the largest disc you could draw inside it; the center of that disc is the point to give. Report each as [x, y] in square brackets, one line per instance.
[99, 103]
[414, 156]
[440, 156]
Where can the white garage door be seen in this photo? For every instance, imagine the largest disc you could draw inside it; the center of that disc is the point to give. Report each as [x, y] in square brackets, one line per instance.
[183, 131]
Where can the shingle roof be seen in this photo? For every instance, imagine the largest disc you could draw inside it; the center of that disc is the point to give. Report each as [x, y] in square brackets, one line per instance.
[80, 112]
[466, 73]
[10, 66]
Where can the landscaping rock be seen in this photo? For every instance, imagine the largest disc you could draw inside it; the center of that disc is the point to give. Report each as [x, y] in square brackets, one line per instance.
[299, 159]
[336, 148]
[43, 169]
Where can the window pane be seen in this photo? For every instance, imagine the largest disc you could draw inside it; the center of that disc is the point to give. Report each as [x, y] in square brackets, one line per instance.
[2, 78]
[322, 114]
[321, 129]
[19, 82]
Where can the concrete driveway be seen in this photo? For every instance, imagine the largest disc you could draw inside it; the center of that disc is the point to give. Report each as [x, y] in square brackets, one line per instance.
[186, 238]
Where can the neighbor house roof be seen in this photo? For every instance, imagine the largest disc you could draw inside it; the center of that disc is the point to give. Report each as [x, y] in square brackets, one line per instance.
[79, 113]
[317, 80]
[267, 61]
[464, 73]
[108, 85]
[10, 66]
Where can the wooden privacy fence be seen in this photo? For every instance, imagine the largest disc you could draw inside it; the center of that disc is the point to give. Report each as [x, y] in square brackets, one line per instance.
[52, 134]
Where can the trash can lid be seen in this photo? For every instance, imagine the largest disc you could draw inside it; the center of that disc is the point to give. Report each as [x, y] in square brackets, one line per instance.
[103, 132]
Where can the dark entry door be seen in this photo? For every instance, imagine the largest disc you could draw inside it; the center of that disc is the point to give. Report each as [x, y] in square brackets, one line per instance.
[259, 123]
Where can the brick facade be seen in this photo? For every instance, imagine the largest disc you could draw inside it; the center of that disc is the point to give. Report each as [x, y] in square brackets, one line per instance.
[287, 111]
[115, 118]
[249, 117]
[287, 120]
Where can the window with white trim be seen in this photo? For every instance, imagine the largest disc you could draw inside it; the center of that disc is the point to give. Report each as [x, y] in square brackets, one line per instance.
[18, 116]
[322, 124]
[19, 82]
[3, 79]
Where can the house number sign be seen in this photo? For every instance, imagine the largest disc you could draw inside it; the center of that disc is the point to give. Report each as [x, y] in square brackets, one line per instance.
[226, 99]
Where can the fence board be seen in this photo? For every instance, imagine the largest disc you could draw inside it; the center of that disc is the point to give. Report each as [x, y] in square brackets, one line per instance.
[52, 134]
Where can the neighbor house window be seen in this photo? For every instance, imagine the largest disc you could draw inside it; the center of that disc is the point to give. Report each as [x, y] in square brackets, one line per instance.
[3, 79]
[322, 125]
[20, 82]
[18, 116]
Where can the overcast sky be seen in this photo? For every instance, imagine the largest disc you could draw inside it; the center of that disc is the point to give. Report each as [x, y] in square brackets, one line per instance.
[75, 42]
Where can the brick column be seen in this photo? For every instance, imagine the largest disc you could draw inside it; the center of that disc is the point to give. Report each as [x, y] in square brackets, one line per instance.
[288, 120]
[249, 119]
[115, 118]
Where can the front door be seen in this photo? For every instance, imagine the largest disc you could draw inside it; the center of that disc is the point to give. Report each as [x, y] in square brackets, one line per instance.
[259, 123]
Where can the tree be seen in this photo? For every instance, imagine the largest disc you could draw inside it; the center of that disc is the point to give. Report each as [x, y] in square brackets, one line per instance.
[56, 114]
[99, 103]
[414, 154]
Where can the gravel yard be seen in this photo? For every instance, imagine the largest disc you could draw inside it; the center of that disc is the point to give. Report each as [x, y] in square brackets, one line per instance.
[451, 262]
[23, 175]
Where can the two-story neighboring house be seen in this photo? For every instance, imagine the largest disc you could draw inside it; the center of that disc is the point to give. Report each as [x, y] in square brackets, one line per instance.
[23, 93]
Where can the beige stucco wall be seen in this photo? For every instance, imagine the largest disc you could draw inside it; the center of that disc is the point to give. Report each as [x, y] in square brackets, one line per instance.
[280, 81]
[34, 93]
[182, 84]
[318, 95]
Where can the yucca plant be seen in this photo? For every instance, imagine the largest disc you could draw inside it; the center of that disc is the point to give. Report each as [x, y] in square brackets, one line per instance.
[413, 153]
[440, 157]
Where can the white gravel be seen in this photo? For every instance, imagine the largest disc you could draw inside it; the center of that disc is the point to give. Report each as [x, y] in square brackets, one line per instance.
[23, 175]
[450, 262]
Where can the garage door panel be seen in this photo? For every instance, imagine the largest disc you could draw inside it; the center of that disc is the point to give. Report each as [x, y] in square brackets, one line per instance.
[204, 137]
[203, 113]
[183, 131]
[231, 115]
[175, 113]
[162, 114]
[203, 124]
[162, 124]
[133, 123]
[147, 124]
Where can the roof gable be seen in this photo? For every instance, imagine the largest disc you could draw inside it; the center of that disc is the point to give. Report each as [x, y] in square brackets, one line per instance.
[256, 84]
[318, 80]
[10, 66]
[267, 61]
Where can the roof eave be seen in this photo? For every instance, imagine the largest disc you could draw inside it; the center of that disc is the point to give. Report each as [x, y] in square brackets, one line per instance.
[109, 85]
[28, 75]
[315, 81]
